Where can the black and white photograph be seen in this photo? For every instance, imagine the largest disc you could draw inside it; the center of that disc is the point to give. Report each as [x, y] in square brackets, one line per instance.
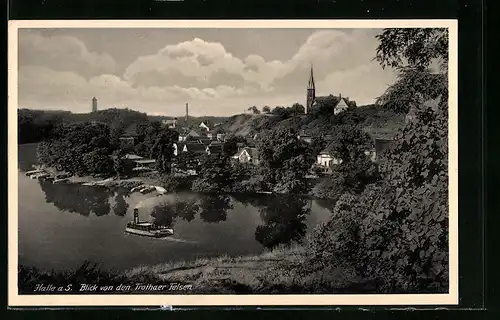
[312, 162]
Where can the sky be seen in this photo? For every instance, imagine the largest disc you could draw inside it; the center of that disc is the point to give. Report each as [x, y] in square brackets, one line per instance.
[219, 72]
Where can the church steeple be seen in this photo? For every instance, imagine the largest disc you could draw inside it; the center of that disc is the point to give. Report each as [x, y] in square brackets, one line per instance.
[310, 92]
[311, 80]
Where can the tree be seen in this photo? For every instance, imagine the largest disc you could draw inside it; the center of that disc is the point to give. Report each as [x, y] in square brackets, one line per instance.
[254, 110]
[411, 86]
[118, 162]
[187, 161]
[98, 161]
[230, 146]
[266, 109]
[214, 175]
[355, 170]
[285, 160]
[414, 47]
[297, 109]
[163, 150]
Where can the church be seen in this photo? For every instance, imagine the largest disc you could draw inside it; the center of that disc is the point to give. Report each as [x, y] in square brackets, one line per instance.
[340, 104]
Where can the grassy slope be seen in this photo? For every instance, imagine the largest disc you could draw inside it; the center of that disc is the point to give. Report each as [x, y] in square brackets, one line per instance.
[278, 271]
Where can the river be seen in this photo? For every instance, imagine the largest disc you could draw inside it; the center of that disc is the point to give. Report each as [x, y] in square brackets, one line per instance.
[62, 225]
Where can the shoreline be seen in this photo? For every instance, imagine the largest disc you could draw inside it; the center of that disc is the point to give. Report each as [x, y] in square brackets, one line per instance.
[133, 182]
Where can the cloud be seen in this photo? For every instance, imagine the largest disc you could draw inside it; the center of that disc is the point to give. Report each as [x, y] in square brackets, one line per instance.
[203, 73]
[62, 53]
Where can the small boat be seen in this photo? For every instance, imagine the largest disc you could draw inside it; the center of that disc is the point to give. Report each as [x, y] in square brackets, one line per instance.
[43, 176]
[40, 176]
[147, 189]
[138, 188]
[146, 228]
[60, 180]
[34, 172]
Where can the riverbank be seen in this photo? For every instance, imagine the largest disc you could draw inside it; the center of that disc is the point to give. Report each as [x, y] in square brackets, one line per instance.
[281, 270]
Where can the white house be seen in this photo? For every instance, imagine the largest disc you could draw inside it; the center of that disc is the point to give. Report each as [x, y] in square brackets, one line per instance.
[204, 126]
[247, 155]
[325, 159]
[170, 123]
[341, 106]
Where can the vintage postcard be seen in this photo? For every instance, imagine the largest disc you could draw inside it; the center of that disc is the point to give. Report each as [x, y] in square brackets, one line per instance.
[249, 162]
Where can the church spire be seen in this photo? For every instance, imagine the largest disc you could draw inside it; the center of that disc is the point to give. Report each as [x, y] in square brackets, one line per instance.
[311, 94]
[311, 80]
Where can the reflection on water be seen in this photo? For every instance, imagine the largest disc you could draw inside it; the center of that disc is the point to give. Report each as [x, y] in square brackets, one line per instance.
[284, 221]
[80, 199]
[205, 225]
[121, 206]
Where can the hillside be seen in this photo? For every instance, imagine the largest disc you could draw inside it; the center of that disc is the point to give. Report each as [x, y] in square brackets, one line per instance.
[376, 121]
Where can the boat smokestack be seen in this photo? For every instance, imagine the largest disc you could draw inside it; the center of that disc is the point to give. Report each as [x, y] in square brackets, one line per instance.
[136, 216]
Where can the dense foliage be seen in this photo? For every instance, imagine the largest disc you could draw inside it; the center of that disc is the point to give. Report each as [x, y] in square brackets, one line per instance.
[81, 148]
[35, 125]
[284, 160]
[396, 229]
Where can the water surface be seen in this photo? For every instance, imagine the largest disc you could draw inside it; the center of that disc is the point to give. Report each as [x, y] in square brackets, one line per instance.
[61, 225]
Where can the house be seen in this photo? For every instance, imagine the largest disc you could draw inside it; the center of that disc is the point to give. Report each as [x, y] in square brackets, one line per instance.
[247, 155]
[371, 154]
[341, 106]
[305, 137]
[205, 141]
[129, 161]
[204, 126]
[214, 149]
[193, 134]
[221, 136]
[144, 165]
[325, 159]
[129, 137]
[169, 123]
[195, 147]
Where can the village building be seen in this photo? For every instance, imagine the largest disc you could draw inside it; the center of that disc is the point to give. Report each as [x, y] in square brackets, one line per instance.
[195, 147]
[170, 123]
[144, 164]
[192, 135]
[205, 141]
[221, 136]
[204, 126]
[214, 149]
[325, 161]
[247, 155]
[304, 137]
[129, 137]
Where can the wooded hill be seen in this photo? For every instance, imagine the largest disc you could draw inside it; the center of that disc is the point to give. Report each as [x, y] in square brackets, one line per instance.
[377, 121]
[36, 125]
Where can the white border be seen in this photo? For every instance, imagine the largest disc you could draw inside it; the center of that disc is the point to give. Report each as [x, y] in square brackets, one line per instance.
[16, 300]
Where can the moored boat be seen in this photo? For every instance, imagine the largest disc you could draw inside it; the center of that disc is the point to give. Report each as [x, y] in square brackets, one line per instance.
[55, 181]
[34, 172]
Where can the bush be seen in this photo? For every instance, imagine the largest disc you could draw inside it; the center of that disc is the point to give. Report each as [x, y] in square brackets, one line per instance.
[174, 183]
[329, 188]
